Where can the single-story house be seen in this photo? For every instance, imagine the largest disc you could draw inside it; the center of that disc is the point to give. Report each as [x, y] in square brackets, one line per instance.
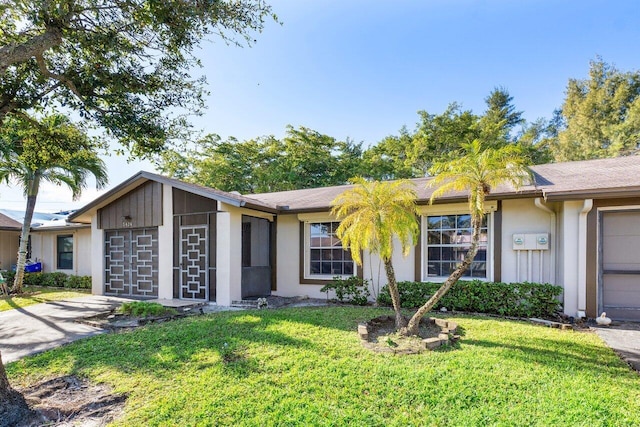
[577, 225]
[56, 243]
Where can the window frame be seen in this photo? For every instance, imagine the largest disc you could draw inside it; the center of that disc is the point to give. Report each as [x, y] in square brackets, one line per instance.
[424, 231]
[60, 252]
[306, 276]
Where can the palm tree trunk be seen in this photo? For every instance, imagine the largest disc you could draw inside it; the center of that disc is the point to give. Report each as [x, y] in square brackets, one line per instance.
[401, 322]
[414, 323]
[32, 195]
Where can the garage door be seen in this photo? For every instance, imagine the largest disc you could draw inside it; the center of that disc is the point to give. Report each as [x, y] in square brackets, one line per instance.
[131, 264]
[621, 265]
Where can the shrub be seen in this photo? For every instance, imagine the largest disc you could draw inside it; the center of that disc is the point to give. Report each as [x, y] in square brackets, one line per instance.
[506, 299]
[353, 290]
[55, 280]
[78, 282]
[145, 309]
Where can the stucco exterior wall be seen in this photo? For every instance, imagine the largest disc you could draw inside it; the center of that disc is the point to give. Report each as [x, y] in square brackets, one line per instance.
[9, 241]
[229, 252]
[43, 248]
[288, 263]
[97, 258]
[572, 265]
[166, 245]
[521, 216]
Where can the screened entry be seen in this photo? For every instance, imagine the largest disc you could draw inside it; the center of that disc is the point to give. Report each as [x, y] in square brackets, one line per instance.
[256, 257]
[131, 262]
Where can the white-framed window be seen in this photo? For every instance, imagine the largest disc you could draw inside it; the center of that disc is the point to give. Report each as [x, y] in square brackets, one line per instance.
[325, 257]
[448, 240]
[64, 249]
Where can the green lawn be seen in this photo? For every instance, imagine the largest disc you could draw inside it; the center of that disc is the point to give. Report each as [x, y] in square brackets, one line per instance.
[36, 295]
[306, 367]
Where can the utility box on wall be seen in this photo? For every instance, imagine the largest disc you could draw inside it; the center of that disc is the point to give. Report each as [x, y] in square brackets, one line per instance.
[531, 241]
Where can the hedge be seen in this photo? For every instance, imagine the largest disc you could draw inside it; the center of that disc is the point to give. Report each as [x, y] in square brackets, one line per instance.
[54, 280]
[506, 299]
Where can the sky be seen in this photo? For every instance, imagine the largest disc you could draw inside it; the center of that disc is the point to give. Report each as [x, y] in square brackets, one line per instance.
[362, 69]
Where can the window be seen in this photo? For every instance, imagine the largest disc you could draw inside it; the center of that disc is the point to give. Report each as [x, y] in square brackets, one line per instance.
[449, 241]
[65, 252]
[325, 254]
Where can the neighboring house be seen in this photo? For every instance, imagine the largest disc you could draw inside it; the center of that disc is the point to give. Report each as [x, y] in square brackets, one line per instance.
[56, 243]
[577, 226]
[9, 240]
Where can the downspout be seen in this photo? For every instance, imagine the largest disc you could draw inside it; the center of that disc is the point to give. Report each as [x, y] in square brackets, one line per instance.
[582, 257]
[540, 204]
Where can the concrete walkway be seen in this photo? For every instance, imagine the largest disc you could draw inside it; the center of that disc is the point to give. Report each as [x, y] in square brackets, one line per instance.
[624, 339]
[41, 327]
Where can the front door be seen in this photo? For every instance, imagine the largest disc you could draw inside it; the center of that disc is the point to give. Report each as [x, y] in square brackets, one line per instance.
[194, 280]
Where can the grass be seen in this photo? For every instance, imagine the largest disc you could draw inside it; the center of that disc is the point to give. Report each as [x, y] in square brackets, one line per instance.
[306, 367]
[36, 295]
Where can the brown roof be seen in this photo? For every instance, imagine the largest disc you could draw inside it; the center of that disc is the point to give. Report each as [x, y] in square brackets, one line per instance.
[7, 223]
[602, 178]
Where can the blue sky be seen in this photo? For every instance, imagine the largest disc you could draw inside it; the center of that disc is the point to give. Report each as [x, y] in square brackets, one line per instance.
[362, 69]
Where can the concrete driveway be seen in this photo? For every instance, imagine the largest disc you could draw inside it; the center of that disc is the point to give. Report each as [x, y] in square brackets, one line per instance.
[41, 327]
[624, 339]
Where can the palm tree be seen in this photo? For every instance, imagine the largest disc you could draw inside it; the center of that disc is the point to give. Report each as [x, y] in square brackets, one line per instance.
[372, 214]
[50, 150]
[477, 171]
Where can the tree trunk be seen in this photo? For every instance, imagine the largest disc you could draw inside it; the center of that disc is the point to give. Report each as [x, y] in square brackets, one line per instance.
[414, 323]
[401, 322]
[13, 407]
[24, 237]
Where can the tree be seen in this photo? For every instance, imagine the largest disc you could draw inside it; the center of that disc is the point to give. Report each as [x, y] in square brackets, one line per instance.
[120, 64]
[371, 215]
[387, 160]
[52, 150]
[600, 115]
[478, 171]
[411, 154]
[303, 159]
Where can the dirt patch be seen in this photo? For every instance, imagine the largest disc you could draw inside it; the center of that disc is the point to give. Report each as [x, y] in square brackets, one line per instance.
[69, 401]
[380, 335]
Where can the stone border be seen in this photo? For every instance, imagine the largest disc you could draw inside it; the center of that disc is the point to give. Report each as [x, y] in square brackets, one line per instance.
[448, 331]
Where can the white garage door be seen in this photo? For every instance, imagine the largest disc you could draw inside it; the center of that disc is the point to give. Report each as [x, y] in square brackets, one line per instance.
[621, 265]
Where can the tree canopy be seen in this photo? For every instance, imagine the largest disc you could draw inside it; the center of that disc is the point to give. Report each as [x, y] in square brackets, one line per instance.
[120, 64]
[600, 116]
[304, 158]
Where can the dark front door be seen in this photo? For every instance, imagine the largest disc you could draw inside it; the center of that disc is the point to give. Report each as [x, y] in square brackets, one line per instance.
[256, 257]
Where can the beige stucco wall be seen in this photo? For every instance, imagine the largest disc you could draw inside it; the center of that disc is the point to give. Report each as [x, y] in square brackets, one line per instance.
[9, 241]
[572, 258]
[229, 251]
[522, 216]
[288, 262]
[165, 245]
[43, 248]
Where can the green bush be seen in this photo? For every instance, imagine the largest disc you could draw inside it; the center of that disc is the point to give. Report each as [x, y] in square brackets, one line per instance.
[506, 299]
[78, 282]
[144, 309]
[352, 290]
[55, 280]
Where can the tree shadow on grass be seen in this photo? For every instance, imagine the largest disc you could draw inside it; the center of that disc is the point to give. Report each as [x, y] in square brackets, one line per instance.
[548, 352]
[217, 341]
